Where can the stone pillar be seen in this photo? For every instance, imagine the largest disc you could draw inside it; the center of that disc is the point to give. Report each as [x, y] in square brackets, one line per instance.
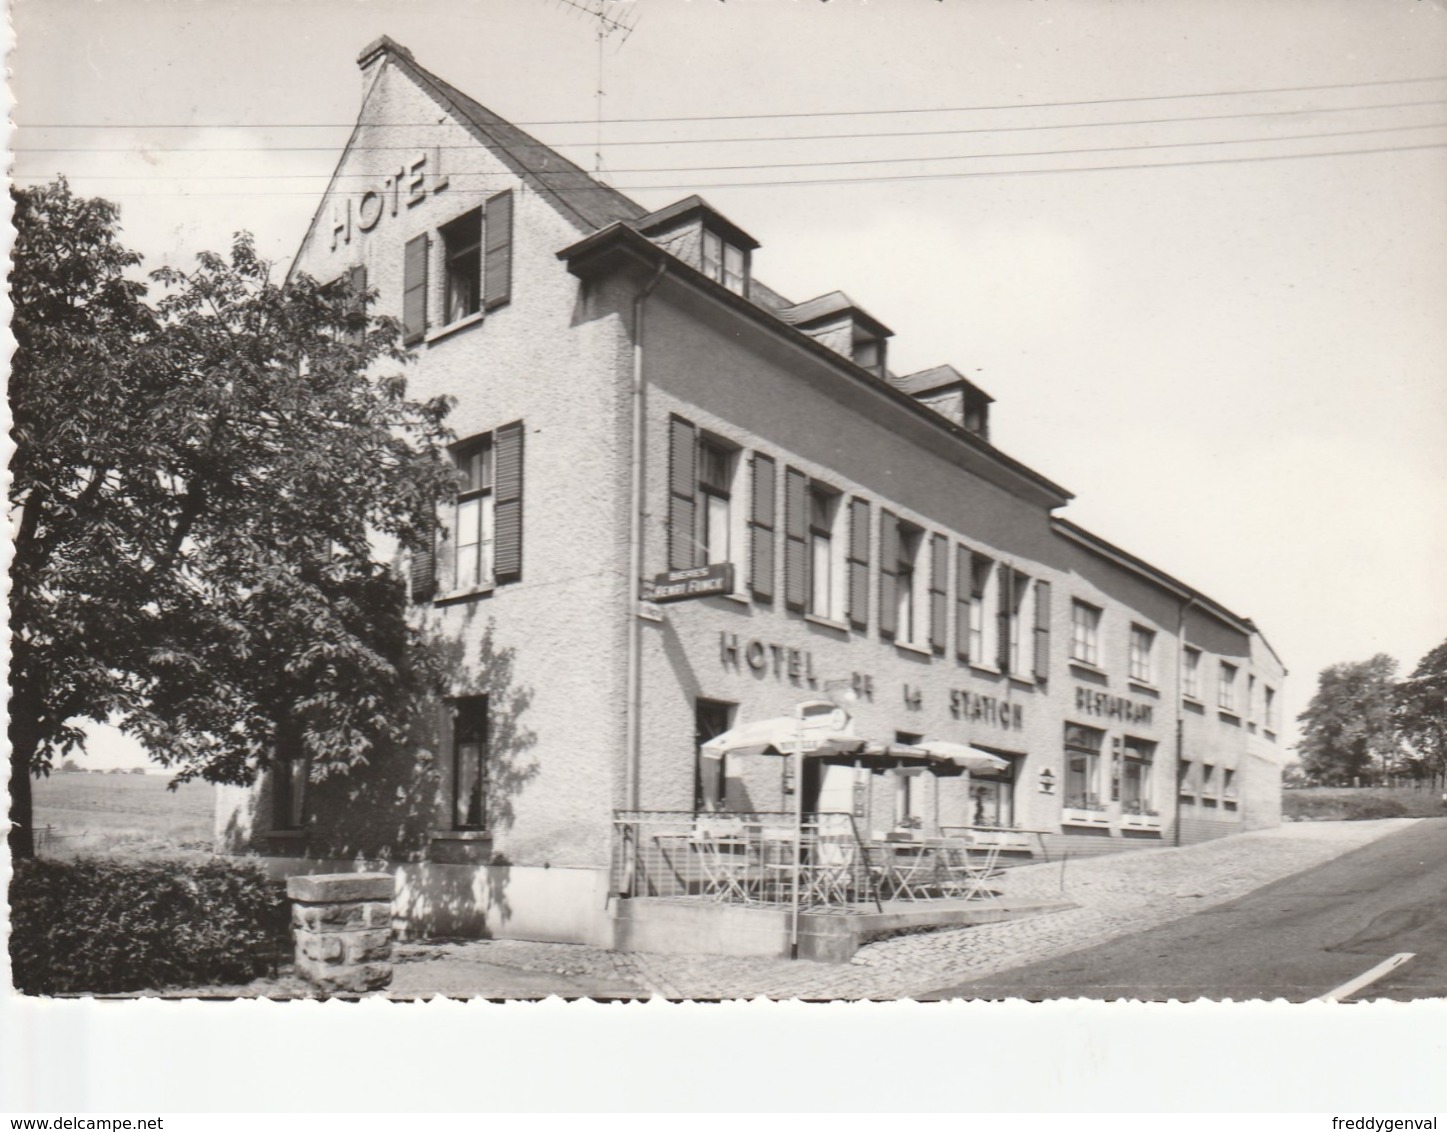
[342, 923]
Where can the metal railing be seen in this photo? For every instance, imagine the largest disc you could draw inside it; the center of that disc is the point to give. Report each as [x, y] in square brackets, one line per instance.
[753, 858]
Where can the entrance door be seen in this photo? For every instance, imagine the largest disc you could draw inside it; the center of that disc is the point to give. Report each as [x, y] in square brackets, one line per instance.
[710, 718]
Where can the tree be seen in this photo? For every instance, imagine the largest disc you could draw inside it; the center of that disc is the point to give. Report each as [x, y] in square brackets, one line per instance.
[200, 489]
[1348, 731]
[1421, 713]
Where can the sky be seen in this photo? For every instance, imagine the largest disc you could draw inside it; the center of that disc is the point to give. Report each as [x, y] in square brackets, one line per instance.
[1238, 364]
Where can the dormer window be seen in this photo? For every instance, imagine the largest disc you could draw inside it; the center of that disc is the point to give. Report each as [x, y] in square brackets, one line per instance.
[701, 236]
[723, 263]
[869, 353]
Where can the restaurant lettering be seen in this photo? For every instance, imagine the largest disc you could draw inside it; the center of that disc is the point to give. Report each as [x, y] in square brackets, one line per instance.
[408, 184]
[976, 708]
[1093, 702]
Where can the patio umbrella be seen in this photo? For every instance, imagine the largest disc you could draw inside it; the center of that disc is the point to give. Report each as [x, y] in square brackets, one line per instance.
[965, 757]
[817, 729]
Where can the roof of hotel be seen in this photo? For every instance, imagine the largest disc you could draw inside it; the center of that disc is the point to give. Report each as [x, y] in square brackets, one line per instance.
[937, 377]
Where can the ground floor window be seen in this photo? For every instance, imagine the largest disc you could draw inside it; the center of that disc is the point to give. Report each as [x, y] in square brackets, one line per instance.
[1137, 777]
[469, 763]
[992, 796]
[1082, 767]
[288, 800]
[711, 718]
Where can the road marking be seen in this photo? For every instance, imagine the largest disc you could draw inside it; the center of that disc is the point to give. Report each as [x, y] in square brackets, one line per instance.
[1346, 990]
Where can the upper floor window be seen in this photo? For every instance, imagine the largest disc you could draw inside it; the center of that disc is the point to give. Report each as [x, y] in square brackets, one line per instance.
[826, 591]
[476, 262]
[483, 543]
[704, 526]
[1014, 586]
[723, 263]
[907, 585]
[1268, 694]
[1142, 661]
[462, 266]
[1191, 672]
[1085, 632]
[981, 583]
[475, 519]
[1226, 689]
[715, 489]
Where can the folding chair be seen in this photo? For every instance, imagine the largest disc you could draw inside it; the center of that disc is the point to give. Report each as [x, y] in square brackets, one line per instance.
[973, 874]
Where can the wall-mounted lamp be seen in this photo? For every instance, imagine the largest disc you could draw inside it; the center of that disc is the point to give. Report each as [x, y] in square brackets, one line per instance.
[1047, 781]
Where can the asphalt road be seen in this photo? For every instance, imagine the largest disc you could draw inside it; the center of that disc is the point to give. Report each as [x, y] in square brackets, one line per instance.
[1295, 939]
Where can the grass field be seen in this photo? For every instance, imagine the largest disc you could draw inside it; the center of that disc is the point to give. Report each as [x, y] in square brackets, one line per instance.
[1346, 803]
[92, 813]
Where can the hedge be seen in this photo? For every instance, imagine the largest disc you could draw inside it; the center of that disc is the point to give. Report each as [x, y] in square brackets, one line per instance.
[93, 926]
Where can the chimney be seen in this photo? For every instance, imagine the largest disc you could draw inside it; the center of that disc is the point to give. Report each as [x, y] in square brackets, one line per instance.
[374, 55]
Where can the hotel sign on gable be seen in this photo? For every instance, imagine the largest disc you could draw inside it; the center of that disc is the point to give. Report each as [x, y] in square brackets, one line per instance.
[684, 585]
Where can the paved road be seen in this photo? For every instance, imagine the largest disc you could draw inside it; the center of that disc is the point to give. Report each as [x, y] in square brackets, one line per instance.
[1296, 939]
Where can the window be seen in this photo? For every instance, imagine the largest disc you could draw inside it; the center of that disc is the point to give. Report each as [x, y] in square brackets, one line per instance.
[462, 266]
[813, 556]
[1208, 785]
[1136, 777]
[290, 772]
[992, 797]
[1085, 632]
[980, 587]
[475, 520]
[485, 524]
[1186, 778]
[724, 263]
[1013, 586]
[715, 484]
[469, 763]
[1268, 694]
[1082, 767]
[825, 590]
[906, 594]
[1142, 662]
[1191, 673]
[1228, 783]
[1226, 691]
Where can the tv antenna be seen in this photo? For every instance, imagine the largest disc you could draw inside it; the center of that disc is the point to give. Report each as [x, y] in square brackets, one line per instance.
[614, 18]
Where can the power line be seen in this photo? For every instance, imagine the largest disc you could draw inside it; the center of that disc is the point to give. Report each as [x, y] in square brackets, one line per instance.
[884, 179]
[718, 141]
[761, 117]
[459, 175]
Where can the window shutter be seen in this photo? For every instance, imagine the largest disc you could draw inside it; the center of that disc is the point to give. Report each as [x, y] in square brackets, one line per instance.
[356, 303]
[508, 502]
[796, 556]
[682, 488]
[964, 587]
[888, 572]
[1005, 585]
[1042, 630]
[497, 251]
[761, 520]
[422, 572]
[859, 563]
[414, 290]
[939, 567]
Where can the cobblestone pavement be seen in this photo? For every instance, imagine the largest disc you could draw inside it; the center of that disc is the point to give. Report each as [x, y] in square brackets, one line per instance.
[1116, 895]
